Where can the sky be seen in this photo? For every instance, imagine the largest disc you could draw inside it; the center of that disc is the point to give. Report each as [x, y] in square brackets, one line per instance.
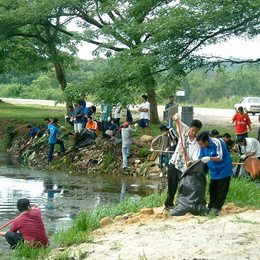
[236, 48]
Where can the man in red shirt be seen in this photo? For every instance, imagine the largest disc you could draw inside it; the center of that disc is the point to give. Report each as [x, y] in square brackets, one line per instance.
[30, 227]
[241, 121]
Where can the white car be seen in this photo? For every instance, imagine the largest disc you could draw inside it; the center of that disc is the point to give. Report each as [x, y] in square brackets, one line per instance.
[249, 104]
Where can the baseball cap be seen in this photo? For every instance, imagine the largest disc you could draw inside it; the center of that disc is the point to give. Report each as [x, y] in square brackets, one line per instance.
[125, 124]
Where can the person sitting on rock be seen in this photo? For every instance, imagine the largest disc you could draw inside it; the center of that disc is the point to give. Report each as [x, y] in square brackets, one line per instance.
[30, 226]
[111, 132]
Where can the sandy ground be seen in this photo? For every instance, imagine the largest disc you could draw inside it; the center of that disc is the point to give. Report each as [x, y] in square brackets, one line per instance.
[235, 234]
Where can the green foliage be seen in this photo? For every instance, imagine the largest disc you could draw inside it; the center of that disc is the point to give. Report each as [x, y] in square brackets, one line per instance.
[24, 251]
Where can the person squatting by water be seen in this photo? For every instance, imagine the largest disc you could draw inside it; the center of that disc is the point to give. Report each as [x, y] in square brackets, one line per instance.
[28, 227]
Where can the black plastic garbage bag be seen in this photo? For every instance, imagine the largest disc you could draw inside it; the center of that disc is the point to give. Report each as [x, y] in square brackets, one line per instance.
[191, 195]
[86, 138]
[239, 170]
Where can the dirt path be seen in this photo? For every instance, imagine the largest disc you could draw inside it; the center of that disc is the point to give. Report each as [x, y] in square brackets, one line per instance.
[233, 236]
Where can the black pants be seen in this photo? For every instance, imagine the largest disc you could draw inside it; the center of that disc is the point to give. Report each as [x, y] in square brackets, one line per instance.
[13, 238]
[218, 190]
[173, 178]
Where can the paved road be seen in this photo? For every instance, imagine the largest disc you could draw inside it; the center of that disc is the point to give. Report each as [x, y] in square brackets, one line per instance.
[209, 116]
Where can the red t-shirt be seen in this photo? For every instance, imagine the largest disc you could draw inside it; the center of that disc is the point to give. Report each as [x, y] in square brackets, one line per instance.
[31, 227]
[242, 121]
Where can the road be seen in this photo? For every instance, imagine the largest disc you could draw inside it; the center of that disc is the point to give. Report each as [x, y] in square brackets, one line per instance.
[208, 116]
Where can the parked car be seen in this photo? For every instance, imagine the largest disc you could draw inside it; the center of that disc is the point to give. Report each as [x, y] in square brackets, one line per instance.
[249, 104]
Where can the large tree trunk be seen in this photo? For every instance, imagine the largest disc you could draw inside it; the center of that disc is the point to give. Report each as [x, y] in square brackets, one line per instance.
[150, 89]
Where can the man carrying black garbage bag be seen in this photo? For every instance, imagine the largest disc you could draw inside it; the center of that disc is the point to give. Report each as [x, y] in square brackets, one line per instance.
[191, 196]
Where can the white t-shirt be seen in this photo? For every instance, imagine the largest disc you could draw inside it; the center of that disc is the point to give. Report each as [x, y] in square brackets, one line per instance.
[252, 146]
[145, 115]
[192, 149]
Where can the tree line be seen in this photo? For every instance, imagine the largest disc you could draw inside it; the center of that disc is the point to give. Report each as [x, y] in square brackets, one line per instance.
[199, 85]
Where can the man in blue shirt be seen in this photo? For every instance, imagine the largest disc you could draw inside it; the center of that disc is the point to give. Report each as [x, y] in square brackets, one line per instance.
[215, 153]
[78, 115]
[34, 132]
[53, 130]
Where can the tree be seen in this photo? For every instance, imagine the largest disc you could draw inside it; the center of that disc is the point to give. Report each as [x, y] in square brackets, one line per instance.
[35, 30]
[153, 36]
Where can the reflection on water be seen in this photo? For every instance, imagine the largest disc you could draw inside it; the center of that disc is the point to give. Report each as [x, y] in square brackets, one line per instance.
[60, 195]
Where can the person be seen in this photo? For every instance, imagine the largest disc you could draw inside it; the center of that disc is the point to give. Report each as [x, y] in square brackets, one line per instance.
[92, 125]
[53, 130]
[89, 111]
[170, 103]
[145, 115]
[105, 117]
[82, 101]
[228, 141]
[77, 116]
[164, 143]
[34, 133]
[69, 118]
[126, 141]
[112, 129]
[258, 138]
[118, 113]
[129, 117]
[215, 154]
[47, 122]
[27, 227]
[177, 163]
[215, 133]
[242, 121]
[248, 147]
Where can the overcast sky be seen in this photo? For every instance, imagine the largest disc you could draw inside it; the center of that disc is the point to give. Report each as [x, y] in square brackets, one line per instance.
[236, 48]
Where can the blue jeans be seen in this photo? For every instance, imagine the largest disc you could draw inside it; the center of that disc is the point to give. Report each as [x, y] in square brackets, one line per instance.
[51, 149]
[125, 154]
[163, 159]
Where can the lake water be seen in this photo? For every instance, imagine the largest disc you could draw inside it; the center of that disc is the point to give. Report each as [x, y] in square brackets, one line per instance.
[59, 195]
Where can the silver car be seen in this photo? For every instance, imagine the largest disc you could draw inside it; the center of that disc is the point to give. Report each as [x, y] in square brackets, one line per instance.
[249, 104]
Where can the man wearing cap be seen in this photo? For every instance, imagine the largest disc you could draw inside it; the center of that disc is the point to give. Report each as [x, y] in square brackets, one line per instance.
[248, 147]
[126, 141]
[241, 121]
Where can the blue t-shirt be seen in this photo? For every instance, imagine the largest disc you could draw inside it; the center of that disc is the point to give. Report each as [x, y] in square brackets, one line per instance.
[34, 131]
[77, 111]
[88, 112]
[217, 148]
[53, 130]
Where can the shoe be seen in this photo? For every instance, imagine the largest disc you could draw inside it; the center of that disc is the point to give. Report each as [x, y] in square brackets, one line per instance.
[161, 174]
[168, 208]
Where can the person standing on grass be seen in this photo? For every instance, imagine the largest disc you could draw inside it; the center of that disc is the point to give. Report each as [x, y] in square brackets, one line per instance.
[177, 163]
[242, 121]
[214, 153]
[28, 227]
[54, 131]
[164, 143]
[145, 115]
[126, 132]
